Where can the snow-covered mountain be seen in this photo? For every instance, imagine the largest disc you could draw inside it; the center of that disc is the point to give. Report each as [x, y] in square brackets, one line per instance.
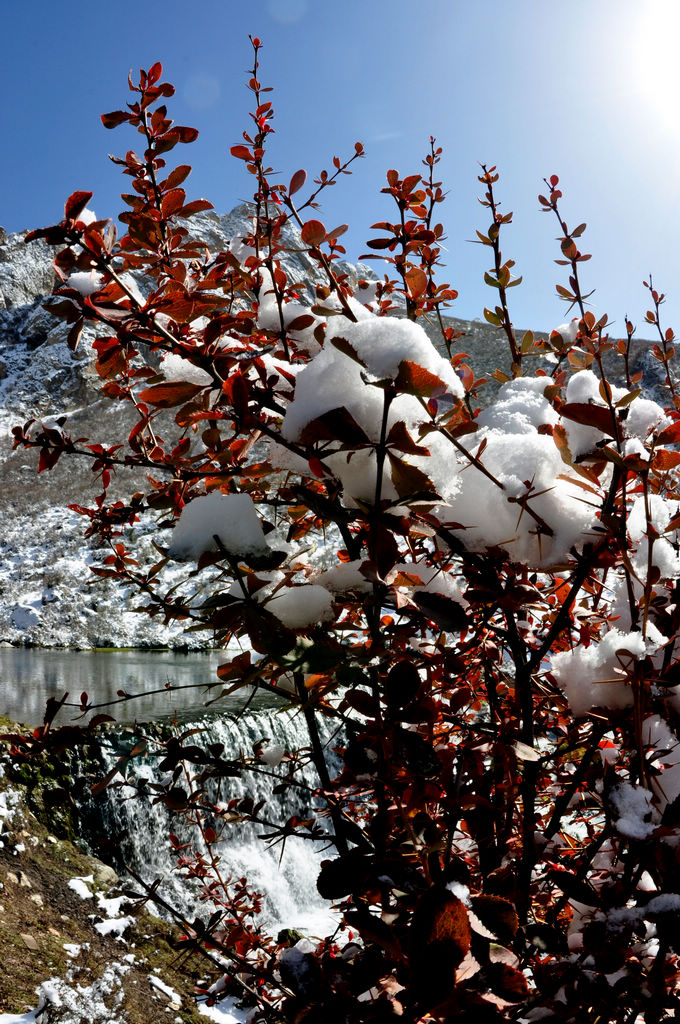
[44, 558]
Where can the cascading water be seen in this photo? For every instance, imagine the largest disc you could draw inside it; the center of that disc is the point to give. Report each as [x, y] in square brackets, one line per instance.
[140, 827]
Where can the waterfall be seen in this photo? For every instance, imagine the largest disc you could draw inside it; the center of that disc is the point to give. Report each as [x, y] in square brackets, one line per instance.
[140, 828]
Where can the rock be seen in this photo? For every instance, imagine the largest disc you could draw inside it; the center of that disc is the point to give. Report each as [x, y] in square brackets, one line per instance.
[24, 617]
[25, 271]
[104, 874]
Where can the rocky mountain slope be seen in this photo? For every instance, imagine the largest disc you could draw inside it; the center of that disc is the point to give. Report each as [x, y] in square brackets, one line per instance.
[43, 557]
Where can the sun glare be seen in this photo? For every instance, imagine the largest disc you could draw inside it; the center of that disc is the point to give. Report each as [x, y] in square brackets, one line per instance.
[654, 59]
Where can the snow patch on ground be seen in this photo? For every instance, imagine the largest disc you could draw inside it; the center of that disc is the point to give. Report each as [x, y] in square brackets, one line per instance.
[10, 801]
[114, 926]
[225, 1012]
[165, 989]
[81, 887]
[98, 1003]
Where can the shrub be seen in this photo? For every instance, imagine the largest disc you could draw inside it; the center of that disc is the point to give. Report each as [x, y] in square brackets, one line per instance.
[485, 601]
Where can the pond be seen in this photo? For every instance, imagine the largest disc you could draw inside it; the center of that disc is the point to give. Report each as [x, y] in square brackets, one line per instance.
[29, 676]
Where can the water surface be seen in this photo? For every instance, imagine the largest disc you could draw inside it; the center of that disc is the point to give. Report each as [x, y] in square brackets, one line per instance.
[29, 676]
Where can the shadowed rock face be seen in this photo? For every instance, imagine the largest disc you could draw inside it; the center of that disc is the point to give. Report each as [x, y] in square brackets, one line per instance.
[43, 558]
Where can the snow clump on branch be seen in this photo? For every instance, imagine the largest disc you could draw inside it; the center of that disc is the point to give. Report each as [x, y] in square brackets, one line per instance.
[86, 282]
[298, 607]
[348, 375]
[525, 502]
[231, 518]
[175, 367]
[597, 676]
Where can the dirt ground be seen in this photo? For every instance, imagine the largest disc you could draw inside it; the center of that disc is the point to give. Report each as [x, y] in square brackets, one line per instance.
[40, 913]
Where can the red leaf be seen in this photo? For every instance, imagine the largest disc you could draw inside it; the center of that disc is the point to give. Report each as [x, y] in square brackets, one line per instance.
[100, 786]
[177, 176]
[241, 152]
[186, 134]
[154, 73]
[386, 550]
[114, 118]
[172, 201]
[665, 460]
[400, 439]
[507, 982]
[409, 480]
[99, 720]
[165, 396]
[416, 380]
[335, 425]
[446, 613]
[597, 416]
[381, 243]
[236, 389]
[313, 233]
[440, 938]
[296, 182]
[402, 684]
[671, 435]
[560, 438]
[573, 887]
[497, 914]
[196, 206]
[345, 347]
[416, 279]
[75, 204]
[301, 322]
[410, 182]
[110, 357]
[53, 236]
[48, 458]
[361, 701]
[75, 333]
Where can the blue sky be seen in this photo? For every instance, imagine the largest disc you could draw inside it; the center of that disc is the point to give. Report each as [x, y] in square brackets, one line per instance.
[586, 90]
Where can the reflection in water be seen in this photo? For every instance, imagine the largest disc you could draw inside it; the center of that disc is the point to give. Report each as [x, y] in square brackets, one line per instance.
[29, 676]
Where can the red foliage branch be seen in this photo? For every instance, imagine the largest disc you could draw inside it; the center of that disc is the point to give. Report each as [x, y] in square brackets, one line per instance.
[480, 858]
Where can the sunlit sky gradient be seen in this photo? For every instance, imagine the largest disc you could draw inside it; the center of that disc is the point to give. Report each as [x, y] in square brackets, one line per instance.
[586, 90]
